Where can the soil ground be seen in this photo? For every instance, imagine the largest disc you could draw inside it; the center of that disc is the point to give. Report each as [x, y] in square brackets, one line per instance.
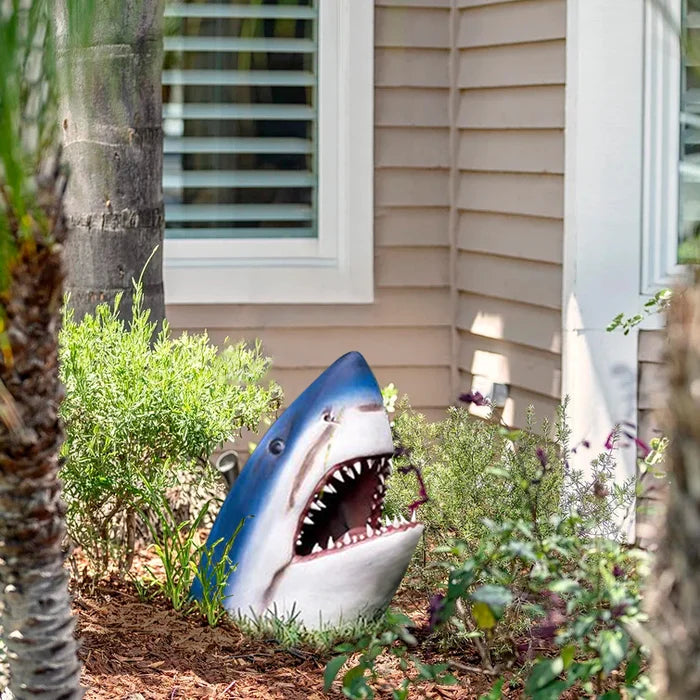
[146, 651]
[135, 650]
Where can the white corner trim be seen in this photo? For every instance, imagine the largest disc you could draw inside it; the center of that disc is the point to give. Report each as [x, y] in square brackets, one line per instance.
[337, 267]
[602, 220]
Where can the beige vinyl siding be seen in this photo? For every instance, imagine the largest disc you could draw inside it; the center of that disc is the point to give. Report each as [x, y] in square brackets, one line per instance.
[405, 333]
[651, 396]
[510, 72]
[652, 382]
[469, 162]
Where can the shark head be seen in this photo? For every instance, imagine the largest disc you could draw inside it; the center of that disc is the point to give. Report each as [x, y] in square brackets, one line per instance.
[313, 543]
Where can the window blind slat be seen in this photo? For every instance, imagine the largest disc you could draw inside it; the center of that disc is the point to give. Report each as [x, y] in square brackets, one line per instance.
[240, 145]
[237, 77]
[228, 43]
[237, 178]
[176, 110]
[239, 11]
[237, 212]
[267, 232]
[200, 144]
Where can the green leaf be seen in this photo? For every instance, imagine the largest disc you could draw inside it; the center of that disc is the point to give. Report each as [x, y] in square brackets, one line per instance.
[483, 616]
[332, 668]
[552, 691]
[496, 597]
[402, 692]
[543, 673]
[447, 679]
[611, 695]
[564, 585]
[521, 549]
[568, 654]
[634, 666]
[496, 691]
[612, 647]
[355, 685]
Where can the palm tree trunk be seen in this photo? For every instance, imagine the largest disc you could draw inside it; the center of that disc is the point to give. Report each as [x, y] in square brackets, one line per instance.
[676, 598]
[36, 620]
[113, 140]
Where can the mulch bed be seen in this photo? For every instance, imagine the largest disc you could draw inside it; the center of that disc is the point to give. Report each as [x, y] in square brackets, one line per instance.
[146, 651]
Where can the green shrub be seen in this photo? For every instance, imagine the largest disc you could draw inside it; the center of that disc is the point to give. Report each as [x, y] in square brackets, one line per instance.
[180, 546]
[460, 458]
[535, 560]
[142, 407]
[580, 596]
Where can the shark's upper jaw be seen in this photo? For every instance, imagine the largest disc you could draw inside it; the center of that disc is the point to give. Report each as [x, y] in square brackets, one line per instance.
[345, 508]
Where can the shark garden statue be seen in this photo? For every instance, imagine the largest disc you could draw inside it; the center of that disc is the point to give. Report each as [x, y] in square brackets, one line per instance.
[313, 543]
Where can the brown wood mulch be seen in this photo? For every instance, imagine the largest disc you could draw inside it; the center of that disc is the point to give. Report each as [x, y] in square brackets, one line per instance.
[133, 650]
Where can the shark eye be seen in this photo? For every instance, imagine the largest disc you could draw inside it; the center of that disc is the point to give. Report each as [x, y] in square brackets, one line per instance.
[328, 416]
[276, 446]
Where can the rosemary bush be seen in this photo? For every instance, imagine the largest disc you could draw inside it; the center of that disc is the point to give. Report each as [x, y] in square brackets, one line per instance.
[459, 458]
[140, 409]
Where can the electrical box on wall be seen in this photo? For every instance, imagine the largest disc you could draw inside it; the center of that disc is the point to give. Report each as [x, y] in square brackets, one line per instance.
[495, 392]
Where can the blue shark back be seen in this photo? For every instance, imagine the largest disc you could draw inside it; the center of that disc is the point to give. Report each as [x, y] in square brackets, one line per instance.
[348, 380]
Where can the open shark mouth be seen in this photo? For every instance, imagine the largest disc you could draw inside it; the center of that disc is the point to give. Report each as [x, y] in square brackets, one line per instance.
[346, 507]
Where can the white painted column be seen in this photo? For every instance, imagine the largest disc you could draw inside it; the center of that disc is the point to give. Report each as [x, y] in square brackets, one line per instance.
[603, 206]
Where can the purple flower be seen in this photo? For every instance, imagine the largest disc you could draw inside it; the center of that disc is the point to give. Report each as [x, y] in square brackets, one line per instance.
[618, 571]
[641, 445]
[619, 610]
[422, 491]
[610, 440]
[586, 443]
[542, 456]
[435, 610]
[476, 397]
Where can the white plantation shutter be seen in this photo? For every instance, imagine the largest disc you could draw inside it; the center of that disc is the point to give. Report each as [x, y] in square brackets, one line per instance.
[689, 204]
[240, 120]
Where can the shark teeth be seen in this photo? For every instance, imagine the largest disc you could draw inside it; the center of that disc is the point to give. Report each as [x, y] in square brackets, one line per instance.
[324, 508]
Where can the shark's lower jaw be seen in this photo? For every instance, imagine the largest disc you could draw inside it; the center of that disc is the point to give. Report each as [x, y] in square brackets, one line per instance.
[345, 509]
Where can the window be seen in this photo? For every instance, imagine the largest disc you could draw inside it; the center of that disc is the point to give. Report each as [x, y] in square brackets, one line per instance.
[267, 182]
[665, 116]
[689, 203]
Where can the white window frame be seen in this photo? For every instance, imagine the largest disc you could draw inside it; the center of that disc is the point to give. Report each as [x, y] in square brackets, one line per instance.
[662, 99]
[337, 266]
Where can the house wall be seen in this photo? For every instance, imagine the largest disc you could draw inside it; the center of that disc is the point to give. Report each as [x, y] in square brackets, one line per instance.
[652, 382]
[651, 395]
[469, 162]
[510, 75]
[406, 333]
